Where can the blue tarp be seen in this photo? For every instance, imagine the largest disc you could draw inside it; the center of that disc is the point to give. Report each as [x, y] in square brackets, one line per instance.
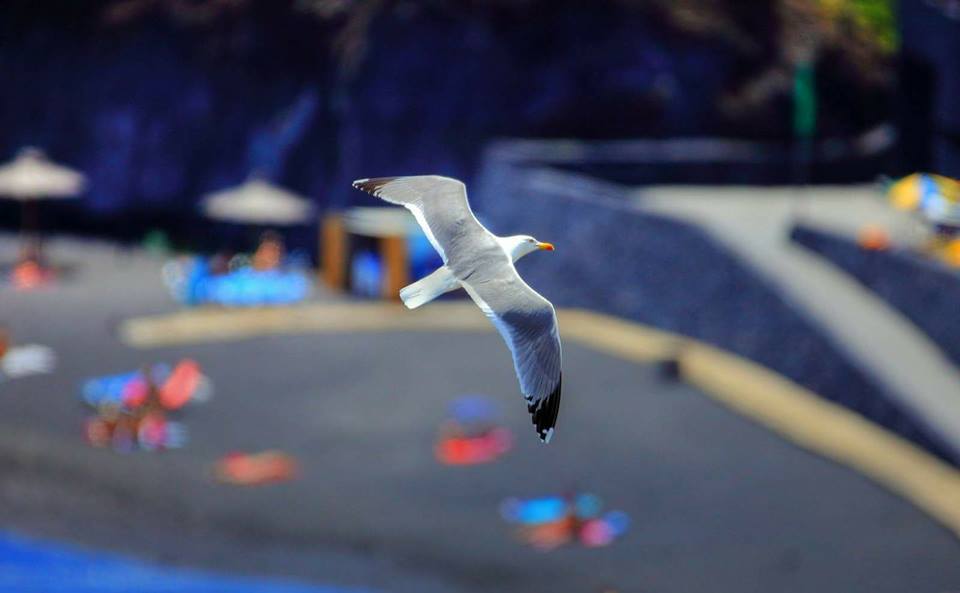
[191, 282]
[32, 566]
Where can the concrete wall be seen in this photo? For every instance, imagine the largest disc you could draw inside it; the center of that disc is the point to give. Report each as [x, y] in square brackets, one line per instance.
[925, 292]
[616, 260]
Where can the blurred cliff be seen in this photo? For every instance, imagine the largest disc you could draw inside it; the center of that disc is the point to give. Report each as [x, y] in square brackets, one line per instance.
[160, 101]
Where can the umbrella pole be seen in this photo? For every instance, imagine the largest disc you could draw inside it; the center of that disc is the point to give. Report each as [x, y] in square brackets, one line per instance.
[24, 237]
[29, 229]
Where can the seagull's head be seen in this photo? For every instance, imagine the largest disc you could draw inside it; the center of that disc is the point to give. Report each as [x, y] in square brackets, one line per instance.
[520, 245]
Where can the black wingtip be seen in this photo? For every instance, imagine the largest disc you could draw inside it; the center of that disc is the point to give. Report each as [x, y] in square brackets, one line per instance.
[545, 413]
[373, 184]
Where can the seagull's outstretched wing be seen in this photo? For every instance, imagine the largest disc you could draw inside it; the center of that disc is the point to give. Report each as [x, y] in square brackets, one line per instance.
[528, 323]
[438, 203]
[525, 319]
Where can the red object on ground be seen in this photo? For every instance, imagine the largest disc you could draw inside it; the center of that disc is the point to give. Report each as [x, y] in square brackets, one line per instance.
[4, 341]
[597, 533]
[473, 450]
[551, 535]
[175, 392]
[152, 431]
[135, 393]
[873, 238]
[98, 431]
[30, 274]
[180, 385]
[245, 469]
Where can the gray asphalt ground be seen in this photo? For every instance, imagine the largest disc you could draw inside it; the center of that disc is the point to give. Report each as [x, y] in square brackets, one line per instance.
[717, 503]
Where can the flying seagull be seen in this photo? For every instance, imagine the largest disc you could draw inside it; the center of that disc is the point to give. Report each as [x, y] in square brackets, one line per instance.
[482, 263]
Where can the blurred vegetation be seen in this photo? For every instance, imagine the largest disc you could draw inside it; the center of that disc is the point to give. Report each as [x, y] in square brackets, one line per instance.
[850, 43]
[862, 31]
[874, 18]
[870, 24]
[865, 30]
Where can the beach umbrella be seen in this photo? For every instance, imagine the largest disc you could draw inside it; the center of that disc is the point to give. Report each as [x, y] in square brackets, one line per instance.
[257, 201]
[934, 197]
[31, 177]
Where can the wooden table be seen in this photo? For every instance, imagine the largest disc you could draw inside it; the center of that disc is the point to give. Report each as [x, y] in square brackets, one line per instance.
[391, 227]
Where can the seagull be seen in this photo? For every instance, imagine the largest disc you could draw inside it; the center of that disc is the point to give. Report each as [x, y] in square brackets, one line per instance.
[482, 263]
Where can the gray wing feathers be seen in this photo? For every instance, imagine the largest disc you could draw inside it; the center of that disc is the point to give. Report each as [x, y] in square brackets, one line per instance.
[438, 203]
[525, 319]
[528, 324]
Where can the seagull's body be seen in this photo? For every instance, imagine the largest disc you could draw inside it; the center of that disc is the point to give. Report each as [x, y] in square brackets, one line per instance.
[482, 263]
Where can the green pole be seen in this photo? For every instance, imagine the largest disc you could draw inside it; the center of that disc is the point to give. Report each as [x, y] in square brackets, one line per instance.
[804, 119]
[804, 101]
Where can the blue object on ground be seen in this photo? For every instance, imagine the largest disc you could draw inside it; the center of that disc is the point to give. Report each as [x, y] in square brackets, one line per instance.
[554, 508]
[32, 566]
[366, 273]
[248, 287]
[618, 521]
[192, 283]
[108, 389]
[534, 510]
[473, 409]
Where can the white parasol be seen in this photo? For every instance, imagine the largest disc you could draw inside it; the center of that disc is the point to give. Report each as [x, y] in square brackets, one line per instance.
[32, 176]
[258, 201]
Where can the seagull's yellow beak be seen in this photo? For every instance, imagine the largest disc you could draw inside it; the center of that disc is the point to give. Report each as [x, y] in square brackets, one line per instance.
[545, 246]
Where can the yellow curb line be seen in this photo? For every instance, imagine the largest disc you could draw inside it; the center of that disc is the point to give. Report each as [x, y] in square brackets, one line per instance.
[833, 431]
[784, 407]
[216, 325]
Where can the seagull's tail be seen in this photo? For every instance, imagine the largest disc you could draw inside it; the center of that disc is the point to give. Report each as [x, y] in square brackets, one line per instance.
[423, 291]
